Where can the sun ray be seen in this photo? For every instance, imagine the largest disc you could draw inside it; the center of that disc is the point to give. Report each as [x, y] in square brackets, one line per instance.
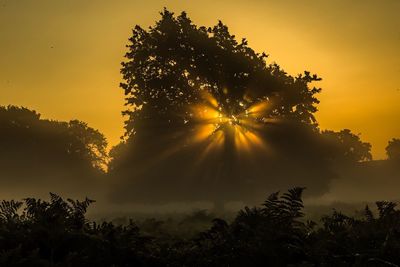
[213, 128]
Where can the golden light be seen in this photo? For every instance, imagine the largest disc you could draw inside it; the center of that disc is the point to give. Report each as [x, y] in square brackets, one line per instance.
[214, 126]
[258, 108]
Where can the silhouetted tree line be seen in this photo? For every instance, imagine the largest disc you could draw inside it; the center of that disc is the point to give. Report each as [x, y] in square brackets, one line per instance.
[47, 155]
[23, 131]
[56, 233]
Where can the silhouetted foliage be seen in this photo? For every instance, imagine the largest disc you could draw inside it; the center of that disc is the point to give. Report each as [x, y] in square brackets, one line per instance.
[169, 66]
[55, 233]
[23, 129]
[41, 153]
[393, 149]
[347, 147]
[174, 72]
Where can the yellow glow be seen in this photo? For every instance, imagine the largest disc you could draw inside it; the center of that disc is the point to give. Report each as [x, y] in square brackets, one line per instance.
[209, 99]
[215, 126]
[203, 132]
[240, 139]
[258, 108]
[214, 143]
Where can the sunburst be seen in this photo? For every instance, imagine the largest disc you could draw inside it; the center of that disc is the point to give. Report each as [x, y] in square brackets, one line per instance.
[240, 128]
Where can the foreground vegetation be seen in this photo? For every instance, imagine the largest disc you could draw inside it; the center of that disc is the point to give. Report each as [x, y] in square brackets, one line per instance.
[56, 233]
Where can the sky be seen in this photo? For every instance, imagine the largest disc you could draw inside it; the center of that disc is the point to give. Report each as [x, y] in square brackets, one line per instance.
[62, 57]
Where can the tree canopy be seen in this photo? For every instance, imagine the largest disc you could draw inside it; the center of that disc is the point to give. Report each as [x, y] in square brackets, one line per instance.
[393, 149]
[42, 153]
[347, 147]
[174, 64]
[205, 110]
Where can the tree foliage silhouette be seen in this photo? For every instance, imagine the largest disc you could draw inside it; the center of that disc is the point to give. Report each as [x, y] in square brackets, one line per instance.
[23, 128]
[38, 152]
[347, 147]
[393, 149]
[169, 66]
[175, 71]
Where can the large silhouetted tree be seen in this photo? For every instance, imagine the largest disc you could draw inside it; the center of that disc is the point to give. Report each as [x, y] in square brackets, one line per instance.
[208, 117]
[172, 64]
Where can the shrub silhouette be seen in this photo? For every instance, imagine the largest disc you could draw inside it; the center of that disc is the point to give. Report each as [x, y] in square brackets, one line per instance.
[34, 232]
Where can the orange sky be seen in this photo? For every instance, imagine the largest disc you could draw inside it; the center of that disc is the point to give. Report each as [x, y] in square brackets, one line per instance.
[62, 58]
